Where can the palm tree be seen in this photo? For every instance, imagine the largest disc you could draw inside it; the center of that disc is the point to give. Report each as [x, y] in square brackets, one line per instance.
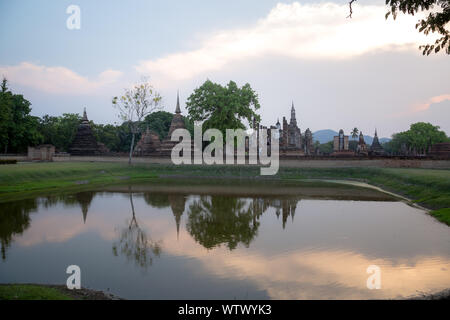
[354, 133]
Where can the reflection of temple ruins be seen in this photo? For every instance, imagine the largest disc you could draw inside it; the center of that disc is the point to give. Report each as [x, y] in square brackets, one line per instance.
[84, 199]
[177, 204]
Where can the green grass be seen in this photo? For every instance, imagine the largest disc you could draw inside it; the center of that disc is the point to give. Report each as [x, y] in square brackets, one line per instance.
[442, 215]
[30, 292]
[428, 187]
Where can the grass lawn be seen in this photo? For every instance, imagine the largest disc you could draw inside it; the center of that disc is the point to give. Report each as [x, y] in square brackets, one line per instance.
[428, 187]
[31, 292]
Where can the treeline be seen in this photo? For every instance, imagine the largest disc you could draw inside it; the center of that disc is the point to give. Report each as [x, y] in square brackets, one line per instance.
[417, 140]
[19, 129]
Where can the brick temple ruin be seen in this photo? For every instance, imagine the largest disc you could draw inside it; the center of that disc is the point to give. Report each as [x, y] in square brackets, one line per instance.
[85, 143]
[292, 142]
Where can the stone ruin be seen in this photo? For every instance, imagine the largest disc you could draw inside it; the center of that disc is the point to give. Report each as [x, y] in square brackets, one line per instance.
[177, 123]
[44, 152]
[149, 144]
[362, 148]
[440, 150]
[376, 149]
[85, 143]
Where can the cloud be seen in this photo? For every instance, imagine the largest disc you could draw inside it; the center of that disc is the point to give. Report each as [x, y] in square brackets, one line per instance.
[436, 99]
[57, 80]
[302, 31]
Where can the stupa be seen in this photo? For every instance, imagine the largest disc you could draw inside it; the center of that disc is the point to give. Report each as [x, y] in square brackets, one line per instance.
[84, 143]
[376, 148]
[149, 144]
[177, 123]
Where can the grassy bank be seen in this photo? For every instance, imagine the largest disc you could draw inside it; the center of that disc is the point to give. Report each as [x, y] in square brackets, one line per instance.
[430, 188]
[31, 292]
[49, 292]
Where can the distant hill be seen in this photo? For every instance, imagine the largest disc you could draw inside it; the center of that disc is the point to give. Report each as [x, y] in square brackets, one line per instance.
[324, 136]
[327, 135]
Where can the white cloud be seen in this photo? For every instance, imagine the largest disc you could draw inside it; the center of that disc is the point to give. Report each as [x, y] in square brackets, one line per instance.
[432, 100]
[303, 31]
[57, 80]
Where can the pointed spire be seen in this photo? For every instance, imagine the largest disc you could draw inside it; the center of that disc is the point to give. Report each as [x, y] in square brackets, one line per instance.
[177, 110]
[85, 212]
[293, 119]
[85, 118]
[376, 135]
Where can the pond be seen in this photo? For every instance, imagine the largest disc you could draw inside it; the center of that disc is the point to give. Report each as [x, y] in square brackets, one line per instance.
[227, 240]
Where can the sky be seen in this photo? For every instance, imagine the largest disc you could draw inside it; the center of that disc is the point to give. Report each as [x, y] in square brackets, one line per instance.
[364, 72]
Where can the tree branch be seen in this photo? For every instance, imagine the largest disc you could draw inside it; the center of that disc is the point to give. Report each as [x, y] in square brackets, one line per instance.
[351, 9]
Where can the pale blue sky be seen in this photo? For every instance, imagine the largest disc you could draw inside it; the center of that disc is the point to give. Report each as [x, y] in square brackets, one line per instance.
[371, 81]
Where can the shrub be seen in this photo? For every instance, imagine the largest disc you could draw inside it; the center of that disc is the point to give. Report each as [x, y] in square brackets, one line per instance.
[8, 161]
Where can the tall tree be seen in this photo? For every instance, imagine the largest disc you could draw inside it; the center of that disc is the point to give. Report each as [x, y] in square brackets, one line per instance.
[18, 129]
[134, 106]
[223, 107]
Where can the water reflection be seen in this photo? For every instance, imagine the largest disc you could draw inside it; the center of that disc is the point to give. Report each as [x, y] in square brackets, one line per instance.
[14, 219]
[224, 246]
[134, 243]
[215, 220]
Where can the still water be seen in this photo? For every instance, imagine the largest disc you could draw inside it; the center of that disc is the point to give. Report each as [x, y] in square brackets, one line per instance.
[225, 242]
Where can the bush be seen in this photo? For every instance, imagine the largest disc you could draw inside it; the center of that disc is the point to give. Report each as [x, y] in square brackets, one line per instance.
[8, 161]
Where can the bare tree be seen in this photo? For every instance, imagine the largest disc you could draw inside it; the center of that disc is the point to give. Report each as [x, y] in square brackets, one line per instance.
[134, 105]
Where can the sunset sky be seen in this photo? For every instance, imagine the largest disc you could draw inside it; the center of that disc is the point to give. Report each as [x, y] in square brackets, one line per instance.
[364, 72]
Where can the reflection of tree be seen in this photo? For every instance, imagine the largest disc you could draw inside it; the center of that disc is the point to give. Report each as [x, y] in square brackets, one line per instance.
[14, 219]
[214, 220]
[157, 200]
[134, 244]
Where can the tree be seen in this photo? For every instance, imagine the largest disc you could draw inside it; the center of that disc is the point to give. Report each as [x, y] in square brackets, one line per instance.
[5, 115]
[107, 134]
[435, 21]
[59, 131]
[18, 129]
[418, 139]
[355, 133]
[159, 122]
[326, 148]
[135, 105]
[223, 107]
